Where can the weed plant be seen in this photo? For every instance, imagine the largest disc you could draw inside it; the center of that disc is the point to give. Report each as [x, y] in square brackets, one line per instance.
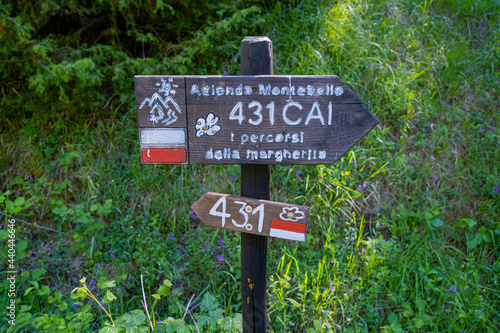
[403, 235]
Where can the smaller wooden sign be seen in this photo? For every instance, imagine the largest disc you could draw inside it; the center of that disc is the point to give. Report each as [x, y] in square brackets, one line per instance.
[253, 216]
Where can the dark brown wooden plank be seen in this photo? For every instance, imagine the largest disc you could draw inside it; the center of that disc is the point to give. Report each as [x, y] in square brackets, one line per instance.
[252, 121]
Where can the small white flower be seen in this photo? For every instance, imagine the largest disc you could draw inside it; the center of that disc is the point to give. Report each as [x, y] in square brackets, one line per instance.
[207, 126]
[291, 214]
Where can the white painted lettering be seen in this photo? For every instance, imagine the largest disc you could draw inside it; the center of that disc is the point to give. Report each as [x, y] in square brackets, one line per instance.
[310, 90]
[237, 113]
[253, 155]
[244, 138]
[318, 114]
[239, 90]
[248, 90]
[322, 154]
[270, 106]
[253, 138]
[301, 91]
[205, 90]
[195, 90]
[285, 109]
[264, 90]
[279, 156]
[256, 112]
[276, 91]
[339, 91]
[218, 155]
[329, 113]
[229, 91]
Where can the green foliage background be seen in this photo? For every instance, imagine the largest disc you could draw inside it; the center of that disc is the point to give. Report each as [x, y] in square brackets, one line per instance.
[404, 233]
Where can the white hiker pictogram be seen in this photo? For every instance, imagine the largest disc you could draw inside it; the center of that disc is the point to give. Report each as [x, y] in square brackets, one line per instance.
[157, 101]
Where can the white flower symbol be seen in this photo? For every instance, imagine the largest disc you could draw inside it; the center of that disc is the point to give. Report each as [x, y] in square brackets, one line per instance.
[207, 126]
[291, 214]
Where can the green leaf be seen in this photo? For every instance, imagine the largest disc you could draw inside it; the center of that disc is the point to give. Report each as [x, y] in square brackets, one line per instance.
[138, 317]
[209, 303]
[466, 223]
[111, 329]
[107, 284]
[17, 181]
[19, 201]
[37, 273]
[81, 293]
[93, 208]
[294, 302]
[472, 240]
[9, 205]
[109, 297]
[21, 247]
[437, 223]
[27, 291]
[171, 325]
[167, 283]
[94, 227]
[216, 314]
[393, 318]
[77, 237]
[3, 234]
[232, 325]
[163, 290]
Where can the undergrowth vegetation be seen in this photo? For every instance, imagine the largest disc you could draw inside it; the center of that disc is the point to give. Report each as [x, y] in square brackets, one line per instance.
[403, 234]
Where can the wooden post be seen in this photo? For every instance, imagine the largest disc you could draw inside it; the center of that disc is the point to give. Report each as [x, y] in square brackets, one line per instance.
[256, 59]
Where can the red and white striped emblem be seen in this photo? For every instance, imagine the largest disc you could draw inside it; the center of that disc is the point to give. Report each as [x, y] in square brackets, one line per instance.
[288, 230]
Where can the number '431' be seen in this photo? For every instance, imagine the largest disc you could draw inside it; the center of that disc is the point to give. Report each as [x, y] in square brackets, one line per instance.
[243, 211]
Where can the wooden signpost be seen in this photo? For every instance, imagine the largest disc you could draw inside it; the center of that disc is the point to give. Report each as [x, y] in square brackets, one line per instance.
[253, 216]
[254, 120]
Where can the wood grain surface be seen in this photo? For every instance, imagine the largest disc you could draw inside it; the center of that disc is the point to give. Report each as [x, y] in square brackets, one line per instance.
[255, 119]
[253, 216]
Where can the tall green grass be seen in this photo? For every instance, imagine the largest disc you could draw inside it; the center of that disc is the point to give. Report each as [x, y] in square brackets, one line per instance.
[404, 231]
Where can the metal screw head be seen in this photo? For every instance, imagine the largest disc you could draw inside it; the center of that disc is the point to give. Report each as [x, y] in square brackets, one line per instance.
[249, 227]
[248, 209]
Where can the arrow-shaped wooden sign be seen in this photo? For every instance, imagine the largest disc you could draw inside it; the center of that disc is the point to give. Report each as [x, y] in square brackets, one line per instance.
[248, 119]
[259, 217]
